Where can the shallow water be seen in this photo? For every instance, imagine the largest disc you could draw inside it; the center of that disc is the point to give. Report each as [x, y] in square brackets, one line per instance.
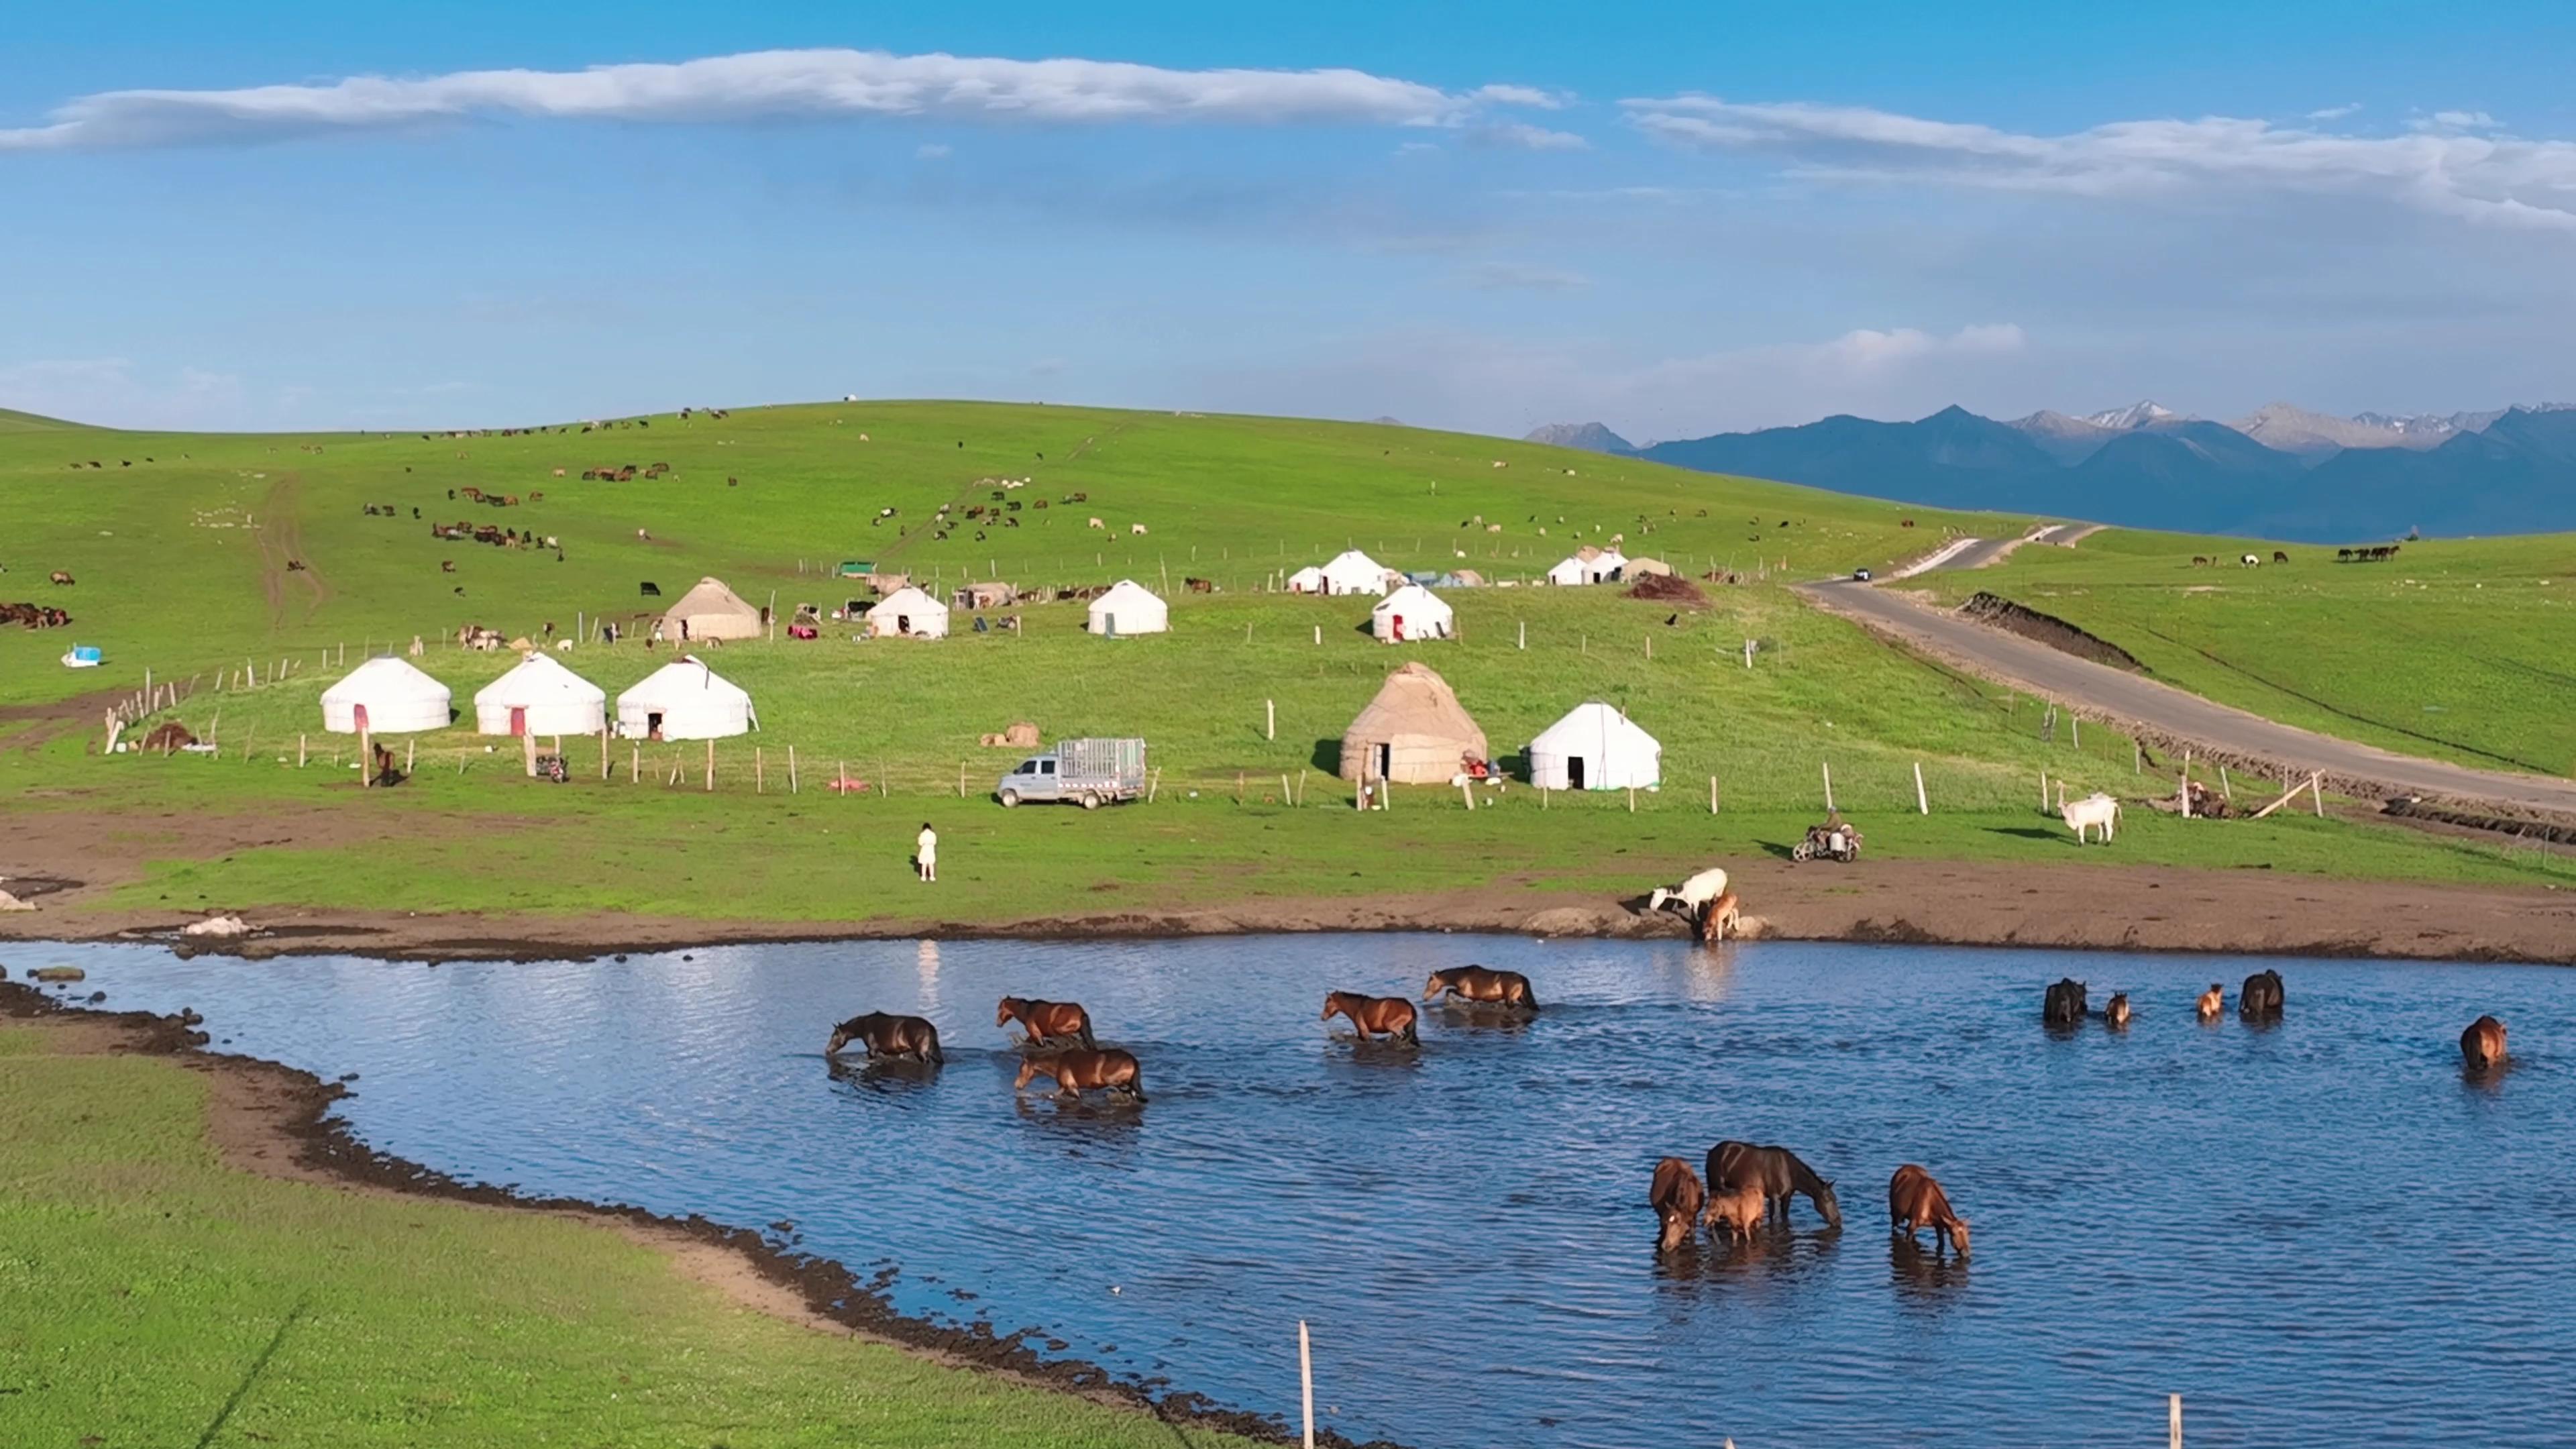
[2317, 1233]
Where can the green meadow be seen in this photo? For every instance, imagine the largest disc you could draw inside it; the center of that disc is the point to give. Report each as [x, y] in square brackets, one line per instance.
[156, 1296]
[181, 546]
[2459, 649]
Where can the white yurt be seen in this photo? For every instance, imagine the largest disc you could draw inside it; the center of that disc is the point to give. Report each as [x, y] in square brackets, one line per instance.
[540, 697]
[908, 613]
[711, 611]
[385, 696]
[1308, 580]
[1410, 613]
[1595, 747]
[1569, 571]
[1129, 608]
[684, 700]
[1354, 572]
[1607, 568]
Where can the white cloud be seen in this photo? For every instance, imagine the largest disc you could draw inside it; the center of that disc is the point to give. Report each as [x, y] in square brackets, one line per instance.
[932, 152]
[1417, 148]
[1518, 136]
[2456, 121]
[1524, 96]
[1523, 276]
[2335, 113]
[2440, 169]
[766, 85]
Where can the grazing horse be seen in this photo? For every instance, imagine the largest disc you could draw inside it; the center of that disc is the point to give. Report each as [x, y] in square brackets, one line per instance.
[2212, 1002]
[1732, 1166]
[2261, 998]
[1374, 1015]
[2064, 1005]
[1476, 984]
[1735, 1213]
[1916, 1202]
[1676, 1198]
[1112, 1071]
[1047, 1021]
[2482, 1045]
[888, 1036]
[2116, 1015]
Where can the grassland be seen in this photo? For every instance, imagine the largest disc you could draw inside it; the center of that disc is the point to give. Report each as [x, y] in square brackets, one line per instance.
[2458, 649]
[156, 1296]
[182, 566]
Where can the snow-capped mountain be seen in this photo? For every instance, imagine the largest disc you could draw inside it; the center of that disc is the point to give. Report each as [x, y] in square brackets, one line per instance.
[2319, 435]
[2135, 415]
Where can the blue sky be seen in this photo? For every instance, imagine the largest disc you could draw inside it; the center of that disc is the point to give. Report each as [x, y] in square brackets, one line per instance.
[1743, 215]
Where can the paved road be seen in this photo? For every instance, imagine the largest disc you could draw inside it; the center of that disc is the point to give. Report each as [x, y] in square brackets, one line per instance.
[2033, 666]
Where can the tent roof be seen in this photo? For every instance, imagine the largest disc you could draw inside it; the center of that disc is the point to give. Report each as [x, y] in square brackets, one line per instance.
[1353, 558]
[1591, 726]
[906, 600]
[682, 678]
[1415, 703]
[1125, 590]
[710, 597]
[1411, 596]
[385, 677]
[539, 677]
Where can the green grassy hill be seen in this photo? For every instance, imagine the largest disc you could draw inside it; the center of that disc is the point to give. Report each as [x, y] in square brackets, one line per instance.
[2462, 649]
[185, 550]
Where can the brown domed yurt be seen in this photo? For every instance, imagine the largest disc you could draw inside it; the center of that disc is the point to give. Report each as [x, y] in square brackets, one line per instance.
[1414, 733]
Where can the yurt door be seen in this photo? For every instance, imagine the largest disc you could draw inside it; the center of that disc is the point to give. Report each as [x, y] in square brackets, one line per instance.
[518, 720]
[1574, 772]
[361, 711]
[653, 725]
[1398, 620]
[1110, 621]
[1385, 760]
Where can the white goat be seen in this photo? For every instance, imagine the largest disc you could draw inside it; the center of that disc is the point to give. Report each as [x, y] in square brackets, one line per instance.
[2093, 810]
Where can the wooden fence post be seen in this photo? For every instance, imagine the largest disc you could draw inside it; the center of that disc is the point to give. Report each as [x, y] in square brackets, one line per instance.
[1922, 802]
[1306, 1379]
[791, 769]
[759, 773]
[1712, 794]
[2173, 1421]
[1270, 719]
[2317, 794]
[1829, 786]
[711, 764]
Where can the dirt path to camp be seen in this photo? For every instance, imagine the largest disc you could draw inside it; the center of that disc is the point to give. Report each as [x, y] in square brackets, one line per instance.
[281, 542]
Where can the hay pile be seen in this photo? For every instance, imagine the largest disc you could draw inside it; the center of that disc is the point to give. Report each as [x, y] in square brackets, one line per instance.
[1668, 589]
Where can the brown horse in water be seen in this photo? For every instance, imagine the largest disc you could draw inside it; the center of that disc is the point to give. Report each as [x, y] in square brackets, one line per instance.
[1479, 985]
[1916, 1202]
[2116, 1015]
[1676, 1198]
[1047, 1021]
[1074, 1071]
[2482, 1045]
[1776, 1171]
[1736, 1213]
[1374, 1015]
[2213, 1002]
[888, 1036]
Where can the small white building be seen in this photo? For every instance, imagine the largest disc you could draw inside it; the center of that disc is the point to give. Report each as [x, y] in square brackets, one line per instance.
[540, 697]
[1568, 572]
[1412, 613]
[908, 613]
[1129, 608]
[385, 696]
[1589, 566]
[1354, 572]
[1607, 568]
[1595, 747]
[1308, 580]
[684, 700]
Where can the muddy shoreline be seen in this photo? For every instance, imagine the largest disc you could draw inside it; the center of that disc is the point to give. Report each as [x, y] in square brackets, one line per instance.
[274, 1119]
[2159, 909]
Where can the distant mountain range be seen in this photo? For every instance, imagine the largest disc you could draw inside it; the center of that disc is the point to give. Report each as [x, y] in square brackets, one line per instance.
[2280, 472]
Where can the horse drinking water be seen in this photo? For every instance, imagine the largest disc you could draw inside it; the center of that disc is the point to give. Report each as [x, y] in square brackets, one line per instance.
[1479, 985]
[1374, 1016]
[1916, 1202]
[1676, 1198]
[1732, 1166]
[2482, 1045]
[888, 1036]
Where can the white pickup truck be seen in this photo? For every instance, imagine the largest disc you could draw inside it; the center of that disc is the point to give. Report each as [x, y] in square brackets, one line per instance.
[1089, 772]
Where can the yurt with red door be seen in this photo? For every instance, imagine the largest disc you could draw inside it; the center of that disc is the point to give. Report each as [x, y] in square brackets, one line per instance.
[385, 696]
[540, 697]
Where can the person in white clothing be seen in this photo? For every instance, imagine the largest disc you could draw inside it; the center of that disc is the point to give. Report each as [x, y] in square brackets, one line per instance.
[925, 852]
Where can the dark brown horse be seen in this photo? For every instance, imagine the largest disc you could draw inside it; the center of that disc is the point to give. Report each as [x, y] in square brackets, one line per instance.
[2064, 1005]
[1374, 1015]
[1676, 1198]
[1079, 1069]
[2116, 1015]
[2482, 1045]
[1732, 1166]
[1476, 984]
[2261, 998]
[1916, 1202]
[1047, 1021]
[888, 1036]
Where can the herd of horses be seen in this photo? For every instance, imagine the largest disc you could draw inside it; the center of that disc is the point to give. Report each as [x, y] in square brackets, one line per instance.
[1745, 1183]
